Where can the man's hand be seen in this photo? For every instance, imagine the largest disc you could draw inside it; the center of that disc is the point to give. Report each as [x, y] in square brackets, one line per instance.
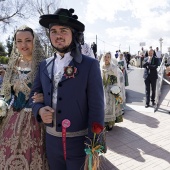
[46, 114]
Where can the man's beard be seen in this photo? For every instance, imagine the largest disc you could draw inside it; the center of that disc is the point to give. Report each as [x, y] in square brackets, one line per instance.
[69, 48]
[63, 50]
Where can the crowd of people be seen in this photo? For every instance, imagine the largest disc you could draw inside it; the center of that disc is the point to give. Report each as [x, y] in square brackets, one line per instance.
[54, 100]
[142, 54]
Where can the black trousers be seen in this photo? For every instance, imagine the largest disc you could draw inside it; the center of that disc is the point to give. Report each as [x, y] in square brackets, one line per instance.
[74, 149]
[141, 62]
[150, 84]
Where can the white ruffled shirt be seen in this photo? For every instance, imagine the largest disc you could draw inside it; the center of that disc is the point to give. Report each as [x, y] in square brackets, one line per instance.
[59, 65]
[58, 71]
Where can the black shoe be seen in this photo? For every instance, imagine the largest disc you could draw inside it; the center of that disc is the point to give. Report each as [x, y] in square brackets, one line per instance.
[153, 103]
[147, 105]
[109, 128]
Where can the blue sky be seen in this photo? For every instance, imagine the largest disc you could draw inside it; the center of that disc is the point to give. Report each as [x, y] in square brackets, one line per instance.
[122, 23]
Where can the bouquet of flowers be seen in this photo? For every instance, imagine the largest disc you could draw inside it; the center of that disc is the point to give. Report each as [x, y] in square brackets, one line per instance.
[3, 109]
[110, 80]
[97, 146]
[115, 90]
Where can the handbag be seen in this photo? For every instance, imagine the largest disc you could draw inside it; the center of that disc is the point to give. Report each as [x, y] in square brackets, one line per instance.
[3, 109]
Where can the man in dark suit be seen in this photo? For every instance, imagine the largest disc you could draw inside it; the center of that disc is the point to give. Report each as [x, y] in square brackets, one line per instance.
[127, 56]
[73, 92]
[94, 48]
[150, 76]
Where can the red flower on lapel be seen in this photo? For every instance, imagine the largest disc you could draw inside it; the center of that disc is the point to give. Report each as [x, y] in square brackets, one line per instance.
[70, 71]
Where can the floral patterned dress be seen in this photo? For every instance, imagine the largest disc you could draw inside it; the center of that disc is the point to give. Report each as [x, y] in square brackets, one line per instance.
[22, 144]
[113, 110]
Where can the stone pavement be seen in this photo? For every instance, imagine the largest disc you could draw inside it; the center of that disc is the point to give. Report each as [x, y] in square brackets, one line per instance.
[142, 140]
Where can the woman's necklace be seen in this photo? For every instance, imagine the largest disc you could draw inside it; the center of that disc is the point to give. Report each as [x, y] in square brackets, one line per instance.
[26, 62]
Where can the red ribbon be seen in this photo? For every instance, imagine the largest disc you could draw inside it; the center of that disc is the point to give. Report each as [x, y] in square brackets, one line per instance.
[65, 124]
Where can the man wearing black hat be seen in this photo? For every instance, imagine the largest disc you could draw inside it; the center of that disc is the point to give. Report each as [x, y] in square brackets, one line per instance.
[73, 92]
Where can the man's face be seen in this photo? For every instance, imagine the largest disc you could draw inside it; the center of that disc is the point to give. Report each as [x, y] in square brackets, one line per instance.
[150, 53]
[61, 36]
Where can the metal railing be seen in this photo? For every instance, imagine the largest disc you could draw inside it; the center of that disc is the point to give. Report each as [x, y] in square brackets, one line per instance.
[161, 71]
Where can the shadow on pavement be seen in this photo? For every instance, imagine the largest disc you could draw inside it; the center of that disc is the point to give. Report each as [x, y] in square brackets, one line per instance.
[140, 118]
[134, 96]
[105, 164]
[127, 143]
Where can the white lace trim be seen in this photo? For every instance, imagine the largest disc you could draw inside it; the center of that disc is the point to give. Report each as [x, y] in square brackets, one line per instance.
[23, 69]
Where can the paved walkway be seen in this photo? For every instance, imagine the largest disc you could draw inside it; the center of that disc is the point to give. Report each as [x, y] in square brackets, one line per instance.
[142, 140]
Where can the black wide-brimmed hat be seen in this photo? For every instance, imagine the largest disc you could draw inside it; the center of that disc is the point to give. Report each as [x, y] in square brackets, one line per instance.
[62, 17]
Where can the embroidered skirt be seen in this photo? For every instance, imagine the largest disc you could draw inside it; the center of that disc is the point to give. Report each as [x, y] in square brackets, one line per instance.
[22, 142]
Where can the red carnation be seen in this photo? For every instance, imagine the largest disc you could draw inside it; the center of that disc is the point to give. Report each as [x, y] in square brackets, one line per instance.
[97, 128]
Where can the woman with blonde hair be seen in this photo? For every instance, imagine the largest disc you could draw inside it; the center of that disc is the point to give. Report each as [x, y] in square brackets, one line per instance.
[113, 101]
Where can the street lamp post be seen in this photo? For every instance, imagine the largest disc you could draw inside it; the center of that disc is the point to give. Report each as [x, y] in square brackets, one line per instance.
[119, 46]
[169, 50]
[160, 40]
[104, 46]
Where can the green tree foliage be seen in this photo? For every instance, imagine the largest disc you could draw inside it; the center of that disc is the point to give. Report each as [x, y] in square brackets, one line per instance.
[4, 60]
[9, 44]
[2, 50]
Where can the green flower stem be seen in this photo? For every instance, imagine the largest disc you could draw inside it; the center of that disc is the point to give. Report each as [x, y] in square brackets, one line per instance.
[94, 137]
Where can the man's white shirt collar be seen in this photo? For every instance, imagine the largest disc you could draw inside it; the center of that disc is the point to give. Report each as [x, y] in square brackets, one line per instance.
[60, 62]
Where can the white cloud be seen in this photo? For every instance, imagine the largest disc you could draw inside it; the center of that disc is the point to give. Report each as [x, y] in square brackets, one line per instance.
[130, 22]
[122, 23]
[104, 9]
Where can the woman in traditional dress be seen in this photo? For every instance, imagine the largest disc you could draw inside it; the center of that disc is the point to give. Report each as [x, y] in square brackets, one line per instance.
[21, 136]
[113, 109]
[123, 66]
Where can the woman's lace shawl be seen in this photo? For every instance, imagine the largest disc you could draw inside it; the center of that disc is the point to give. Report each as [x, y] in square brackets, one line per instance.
[11, 75]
